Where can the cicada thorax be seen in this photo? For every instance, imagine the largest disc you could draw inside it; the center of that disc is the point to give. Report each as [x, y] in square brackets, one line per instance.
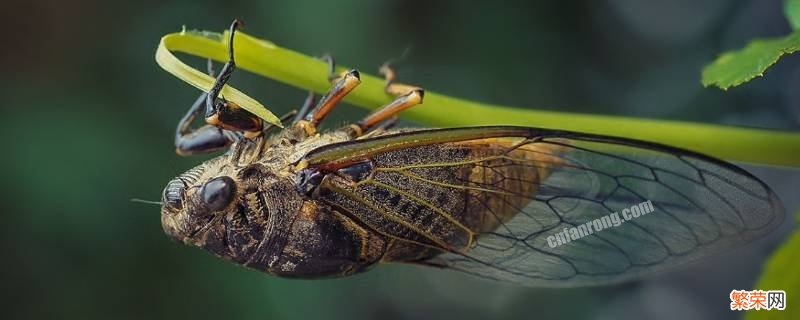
[432, 199]
[323, 242]
[272, 228]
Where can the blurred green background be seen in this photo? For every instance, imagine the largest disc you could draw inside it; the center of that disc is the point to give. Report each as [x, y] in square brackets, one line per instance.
[88, 122]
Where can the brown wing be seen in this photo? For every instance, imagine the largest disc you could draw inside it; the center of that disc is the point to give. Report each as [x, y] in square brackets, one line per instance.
[496, 199]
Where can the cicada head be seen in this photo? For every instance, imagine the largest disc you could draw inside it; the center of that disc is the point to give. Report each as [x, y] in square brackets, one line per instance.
[253, 214]
[225, 208]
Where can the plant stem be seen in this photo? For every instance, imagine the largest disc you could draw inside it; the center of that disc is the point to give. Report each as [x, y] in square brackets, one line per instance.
[264, 58]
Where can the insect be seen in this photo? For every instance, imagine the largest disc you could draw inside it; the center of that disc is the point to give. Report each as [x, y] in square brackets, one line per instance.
[508, 203]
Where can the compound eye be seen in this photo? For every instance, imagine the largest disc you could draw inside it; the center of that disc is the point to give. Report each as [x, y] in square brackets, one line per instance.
[218, 193]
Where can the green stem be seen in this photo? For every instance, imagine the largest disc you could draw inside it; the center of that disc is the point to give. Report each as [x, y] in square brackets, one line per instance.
[733, 143]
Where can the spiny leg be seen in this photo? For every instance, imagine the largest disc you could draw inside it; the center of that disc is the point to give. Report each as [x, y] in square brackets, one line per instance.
[342, 85]
[378, 129]
[224, 114]
[340, 88]
[407, 97]
[388, 111]
[310, 100]
[210, 137]
[205, 139]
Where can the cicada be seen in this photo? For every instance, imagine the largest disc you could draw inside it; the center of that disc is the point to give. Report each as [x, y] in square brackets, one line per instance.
[526, 205]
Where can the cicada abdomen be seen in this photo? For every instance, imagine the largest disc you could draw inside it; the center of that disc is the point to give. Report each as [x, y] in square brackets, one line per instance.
[434, 198]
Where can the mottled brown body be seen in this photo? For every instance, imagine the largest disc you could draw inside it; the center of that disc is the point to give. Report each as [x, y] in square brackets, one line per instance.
[275, 228]
[479, 200]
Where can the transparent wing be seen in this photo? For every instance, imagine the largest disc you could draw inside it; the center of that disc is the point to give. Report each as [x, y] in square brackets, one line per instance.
[553, 208]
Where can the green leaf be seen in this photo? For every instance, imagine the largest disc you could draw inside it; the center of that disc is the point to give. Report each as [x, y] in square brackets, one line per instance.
[791, 8]
[736, 67]
[302, 71]
[781, 273]
[202, 81]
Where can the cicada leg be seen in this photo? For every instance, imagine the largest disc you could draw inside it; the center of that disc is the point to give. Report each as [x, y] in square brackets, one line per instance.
[407, 97]
[311, 113]
[205, 139]
[224, 114]
[379, 128]
[208, 138]
[388, 111]
[227, 122]
[310, 101]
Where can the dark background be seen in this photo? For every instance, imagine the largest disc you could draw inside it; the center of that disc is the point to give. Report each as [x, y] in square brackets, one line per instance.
[88, 117]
